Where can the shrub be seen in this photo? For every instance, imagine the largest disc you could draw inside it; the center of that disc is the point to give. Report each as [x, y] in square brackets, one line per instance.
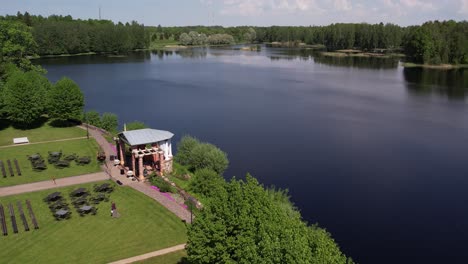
[163, 185]
[206, 182]
[109, 122]
[92, 117]
[197, 155]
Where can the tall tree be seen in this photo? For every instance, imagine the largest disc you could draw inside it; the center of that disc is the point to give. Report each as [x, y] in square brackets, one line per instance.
[16, 43]
[25, 97]
[65, 100]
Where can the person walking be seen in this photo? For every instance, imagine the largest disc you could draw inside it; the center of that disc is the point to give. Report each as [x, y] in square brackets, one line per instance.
[113, 208]
[53, 180]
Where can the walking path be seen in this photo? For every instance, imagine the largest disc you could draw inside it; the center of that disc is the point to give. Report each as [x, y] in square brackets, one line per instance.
[150, 255]
[49, 184]
[41, 142]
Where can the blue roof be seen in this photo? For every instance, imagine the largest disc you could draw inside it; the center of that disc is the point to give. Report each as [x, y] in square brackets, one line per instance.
[144, 136]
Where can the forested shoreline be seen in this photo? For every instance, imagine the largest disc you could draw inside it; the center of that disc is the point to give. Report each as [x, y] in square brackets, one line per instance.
[434, 42]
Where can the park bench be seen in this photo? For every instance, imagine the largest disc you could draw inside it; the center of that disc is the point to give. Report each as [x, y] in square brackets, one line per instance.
[22, 216]
[13, 218]
[31, 214]
[10, 168]
[17, 167]
[3, 221]
[3, 169]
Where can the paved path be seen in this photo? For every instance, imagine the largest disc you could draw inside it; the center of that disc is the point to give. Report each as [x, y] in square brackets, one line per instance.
[49, 184]
[150, 255]
[41, 142]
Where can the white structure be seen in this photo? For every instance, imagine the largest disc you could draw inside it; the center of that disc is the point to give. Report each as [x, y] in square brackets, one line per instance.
[21, 140]
[147, 145]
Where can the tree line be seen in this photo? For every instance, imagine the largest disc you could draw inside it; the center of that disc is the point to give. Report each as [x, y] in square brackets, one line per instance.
[433, 42]
[64, 35]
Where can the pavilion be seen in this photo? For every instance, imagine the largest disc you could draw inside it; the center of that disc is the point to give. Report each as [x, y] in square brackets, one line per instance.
[150, 146]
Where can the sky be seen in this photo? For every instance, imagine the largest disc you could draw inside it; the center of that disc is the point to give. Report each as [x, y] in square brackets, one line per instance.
[247, 12]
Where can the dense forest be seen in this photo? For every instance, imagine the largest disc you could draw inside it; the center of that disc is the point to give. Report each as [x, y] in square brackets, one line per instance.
[431, 43]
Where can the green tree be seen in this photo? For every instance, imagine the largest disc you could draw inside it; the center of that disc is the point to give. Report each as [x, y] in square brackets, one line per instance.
[109, 122]
[206, 155]
[92, 117]
[24, 97]
[206, 182]
[135, 125]
[16, 43]
[66, 100]
[185, 148]
[244, 225]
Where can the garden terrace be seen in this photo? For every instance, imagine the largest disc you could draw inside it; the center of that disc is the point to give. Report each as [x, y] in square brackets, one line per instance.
[44, 170]
[144, 226]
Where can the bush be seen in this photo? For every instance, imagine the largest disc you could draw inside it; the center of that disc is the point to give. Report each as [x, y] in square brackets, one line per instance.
[109, 122]
[135, 125]
[185, 148]
[163, 185]
[92, 117]
[198, 155]
[206, 182]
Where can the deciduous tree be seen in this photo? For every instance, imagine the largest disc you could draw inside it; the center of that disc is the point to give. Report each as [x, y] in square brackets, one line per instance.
[65, 100]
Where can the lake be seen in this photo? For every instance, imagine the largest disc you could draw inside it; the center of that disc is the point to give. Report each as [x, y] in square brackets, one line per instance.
[373, 152]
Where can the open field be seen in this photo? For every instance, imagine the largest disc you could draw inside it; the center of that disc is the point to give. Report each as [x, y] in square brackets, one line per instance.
[170, 258]
[144, 226]
[43, 133]
[81, 147]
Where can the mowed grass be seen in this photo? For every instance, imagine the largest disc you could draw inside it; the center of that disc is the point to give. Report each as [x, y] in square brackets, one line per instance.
[144, 226]
[178, 257]
[43, 133]
[81, 147]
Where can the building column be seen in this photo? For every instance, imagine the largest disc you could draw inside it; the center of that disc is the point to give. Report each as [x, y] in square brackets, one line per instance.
[170, 148]
[133, 164]
[140, 161]
[122, 152]
[161, 162]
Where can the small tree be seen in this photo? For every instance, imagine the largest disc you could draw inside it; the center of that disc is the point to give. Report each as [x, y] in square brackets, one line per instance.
[184, 149]
[92, 117]
[185, 39]
[66, 100]
[206, 182]
[109, 122]
[135, 125]
[24, 97]
[208, 156]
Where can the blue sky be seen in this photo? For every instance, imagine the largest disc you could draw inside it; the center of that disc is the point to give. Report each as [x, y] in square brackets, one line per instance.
[248, 12]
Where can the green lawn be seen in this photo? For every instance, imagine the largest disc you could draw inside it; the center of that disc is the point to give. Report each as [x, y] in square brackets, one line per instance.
[144, 226]
[82, 147]
[43, 133]
[177, 257]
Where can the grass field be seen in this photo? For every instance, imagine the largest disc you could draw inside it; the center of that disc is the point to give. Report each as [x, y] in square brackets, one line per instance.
[177, 257]
[43, 133]
[144, 226]
[82, 147]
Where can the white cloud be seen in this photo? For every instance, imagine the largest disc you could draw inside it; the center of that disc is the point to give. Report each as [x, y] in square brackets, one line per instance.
[425, 5]
[464, 7]
[257, 7]
[342, 5]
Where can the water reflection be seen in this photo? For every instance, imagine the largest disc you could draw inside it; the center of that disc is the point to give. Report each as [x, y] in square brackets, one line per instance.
[317, 57]
[130, 57]
[450, 83]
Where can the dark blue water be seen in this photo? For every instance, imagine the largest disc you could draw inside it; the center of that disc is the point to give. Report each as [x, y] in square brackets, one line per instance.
[374, 153]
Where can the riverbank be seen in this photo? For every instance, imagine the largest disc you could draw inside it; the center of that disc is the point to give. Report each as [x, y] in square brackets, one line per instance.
[359, 53]
[433, 66]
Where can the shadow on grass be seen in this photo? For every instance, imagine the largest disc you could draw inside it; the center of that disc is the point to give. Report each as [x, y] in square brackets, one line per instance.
[183, 261]
[36, 124]
[4, 124]
[64, 123]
